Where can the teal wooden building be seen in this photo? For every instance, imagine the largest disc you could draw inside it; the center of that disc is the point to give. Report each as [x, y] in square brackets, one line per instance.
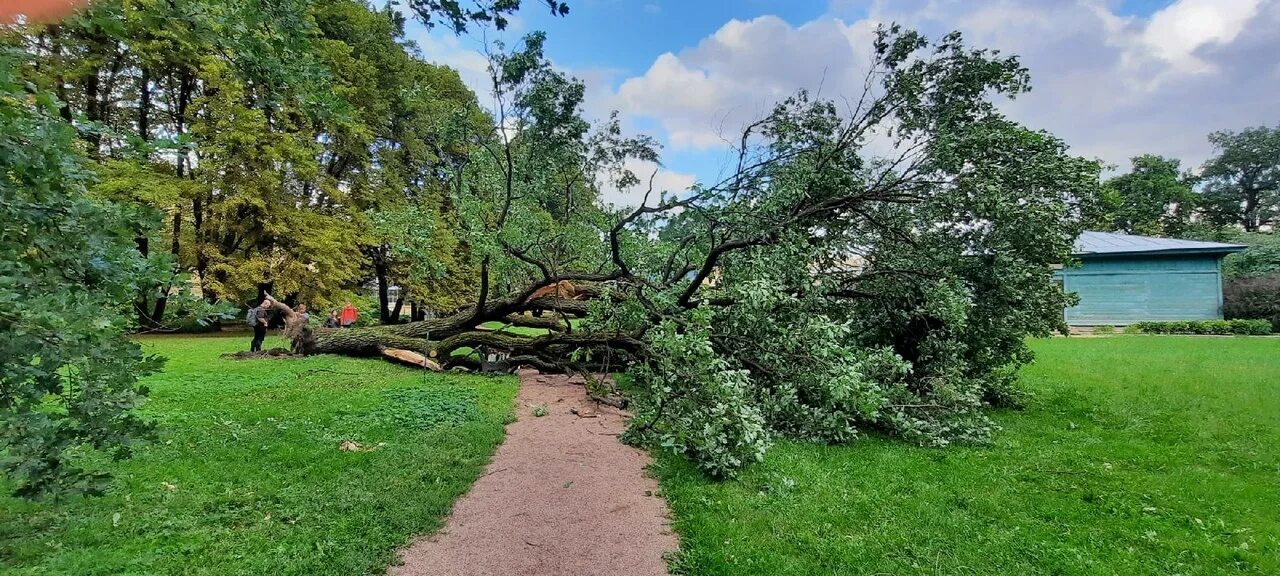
[1123, 279]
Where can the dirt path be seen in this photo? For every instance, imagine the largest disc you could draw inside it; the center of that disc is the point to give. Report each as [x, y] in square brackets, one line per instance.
[562, 496]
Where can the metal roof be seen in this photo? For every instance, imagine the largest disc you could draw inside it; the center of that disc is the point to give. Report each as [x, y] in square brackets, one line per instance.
[1114, 243]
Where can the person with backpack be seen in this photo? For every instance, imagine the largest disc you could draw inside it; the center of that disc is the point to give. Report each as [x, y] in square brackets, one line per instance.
[257, 319]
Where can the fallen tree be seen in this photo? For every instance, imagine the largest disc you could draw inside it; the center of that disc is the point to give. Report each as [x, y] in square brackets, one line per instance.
[817, 291]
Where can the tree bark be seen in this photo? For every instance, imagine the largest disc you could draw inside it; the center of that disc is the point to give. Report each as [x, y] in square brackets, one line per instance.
[141, 303]
[395, 310]
[144, 104]
[379, 257]
[438, 338]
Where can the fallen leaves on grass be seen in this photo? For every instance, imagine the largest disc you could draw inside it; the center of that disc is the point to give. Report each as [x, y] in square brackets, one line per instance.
[353, 446]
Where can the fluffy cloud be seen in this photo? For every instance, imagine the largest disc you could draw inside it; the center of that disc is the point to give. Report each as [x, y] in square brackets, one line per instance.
[1178, 31]
[1112, 86]
[703, 95]
[466, 55]
[664, 180]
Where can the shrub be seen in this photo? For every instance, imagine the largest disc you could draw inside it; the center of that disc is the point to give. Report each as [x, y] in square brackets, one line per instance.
[1219, 327]
[1254, 299]
[1252, 327]
[1260, 260]
[1104, 329]
[1216, 327]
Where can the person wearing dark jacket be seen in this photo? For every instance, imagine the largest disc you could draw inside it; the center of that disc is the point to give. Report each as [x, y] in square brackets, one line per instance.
[257, 318]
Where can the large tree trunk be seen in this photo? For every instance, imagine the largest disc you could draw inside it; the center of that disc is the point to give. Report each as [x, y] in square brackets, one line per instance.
[141, 303]
[438, 338]
[379, 257]
[395, 310]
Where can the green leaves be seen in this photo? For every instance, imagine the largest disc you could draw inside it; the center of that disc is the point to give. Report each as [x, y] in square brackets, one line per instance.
[696, 403]
[822, 290]
[1153, 199]
[68, 271]
[1242, 183]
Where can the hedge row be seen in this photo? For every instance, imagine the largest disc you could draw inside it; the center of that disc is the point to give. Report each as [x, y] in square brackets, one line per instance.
[1243, 327]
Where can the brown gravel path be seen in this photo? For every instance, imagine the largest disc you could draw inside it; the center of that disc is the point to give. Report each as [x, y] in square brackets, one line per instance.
[562, 496]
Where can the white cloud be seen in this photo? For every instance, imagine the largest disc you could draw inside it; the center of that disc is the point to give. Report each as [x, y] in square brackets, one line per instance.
[1112, 86]
[704, 94]
[462, 53]
[664, 180]
[1179, 30]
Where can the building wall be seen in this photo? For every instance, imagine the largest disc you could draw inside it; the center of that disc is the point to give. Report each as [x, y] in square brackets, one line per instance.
[1123, 290]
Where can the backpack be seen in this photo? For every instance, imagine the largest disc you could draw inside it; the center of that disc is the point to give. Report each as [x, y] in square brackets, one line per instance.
[252, 317]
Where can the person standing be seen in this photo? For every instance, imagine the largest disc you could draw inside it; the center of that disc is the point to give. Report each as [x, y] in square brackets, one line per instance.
[348, 315]
[332, 321]
[257, 319]
[302, 311]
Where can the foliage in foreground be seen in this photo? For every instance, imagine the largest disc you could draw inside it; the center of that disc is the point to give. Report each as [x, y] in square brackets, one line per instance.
[1219, 327]
[68, 269]
[1144, 456]
[248, 474]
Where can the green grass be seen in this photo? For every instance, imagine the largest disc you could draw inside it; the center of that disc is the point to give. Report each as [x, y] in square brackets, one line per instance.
[1138, 455]
[246, 475]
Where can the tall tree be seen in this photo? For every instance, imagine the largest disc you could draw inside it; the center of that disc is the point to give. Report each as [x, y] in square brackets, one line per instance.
[1153, 199]
[221, 115]
[1242, 183]
[266, 132]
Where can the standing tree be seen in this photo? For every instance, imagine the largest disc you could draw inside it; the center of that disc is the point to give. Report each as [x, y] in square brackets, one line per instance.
[216, 114]
[1153, 199]
[818, 291]
[1242, 183]
[267, 132]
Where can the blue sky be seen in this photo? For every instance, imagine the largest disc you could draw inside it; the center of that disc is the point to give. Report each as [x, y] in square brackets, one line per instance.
[1113, 78]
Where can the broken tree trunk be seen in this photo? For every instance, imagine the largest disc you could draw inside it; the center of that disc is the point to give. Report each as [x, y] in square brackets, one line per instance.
[409, 358]
[413, 343]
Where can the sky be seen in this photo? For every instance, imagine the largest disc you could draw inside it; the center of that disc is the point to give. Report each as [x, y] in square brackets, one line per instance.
[1112, 78]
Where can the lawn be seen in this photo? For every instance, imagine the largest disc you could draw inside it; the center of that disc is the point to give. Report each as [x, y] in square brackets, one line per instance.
[1138, 455]
[246, 474]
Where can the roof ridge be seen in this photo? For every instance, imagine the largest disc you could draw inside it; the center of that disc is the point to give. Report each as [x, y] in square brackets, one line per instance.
[1099, 242]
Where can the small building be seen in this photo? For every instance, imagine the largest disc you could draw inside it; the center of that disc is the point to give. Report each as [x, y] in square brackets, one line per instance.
[1123, 279]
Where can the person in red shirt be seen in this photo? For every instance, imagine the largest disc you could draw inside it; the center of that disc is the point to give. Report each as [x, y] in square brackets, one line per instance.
[348, 315]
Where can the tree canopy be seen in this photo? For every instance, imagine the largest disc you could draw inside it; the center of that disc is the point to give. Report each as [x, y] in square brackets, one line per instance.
[1154, 199]
[171, 154]
[1242, 182]
[272, 135]
[819, 291]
